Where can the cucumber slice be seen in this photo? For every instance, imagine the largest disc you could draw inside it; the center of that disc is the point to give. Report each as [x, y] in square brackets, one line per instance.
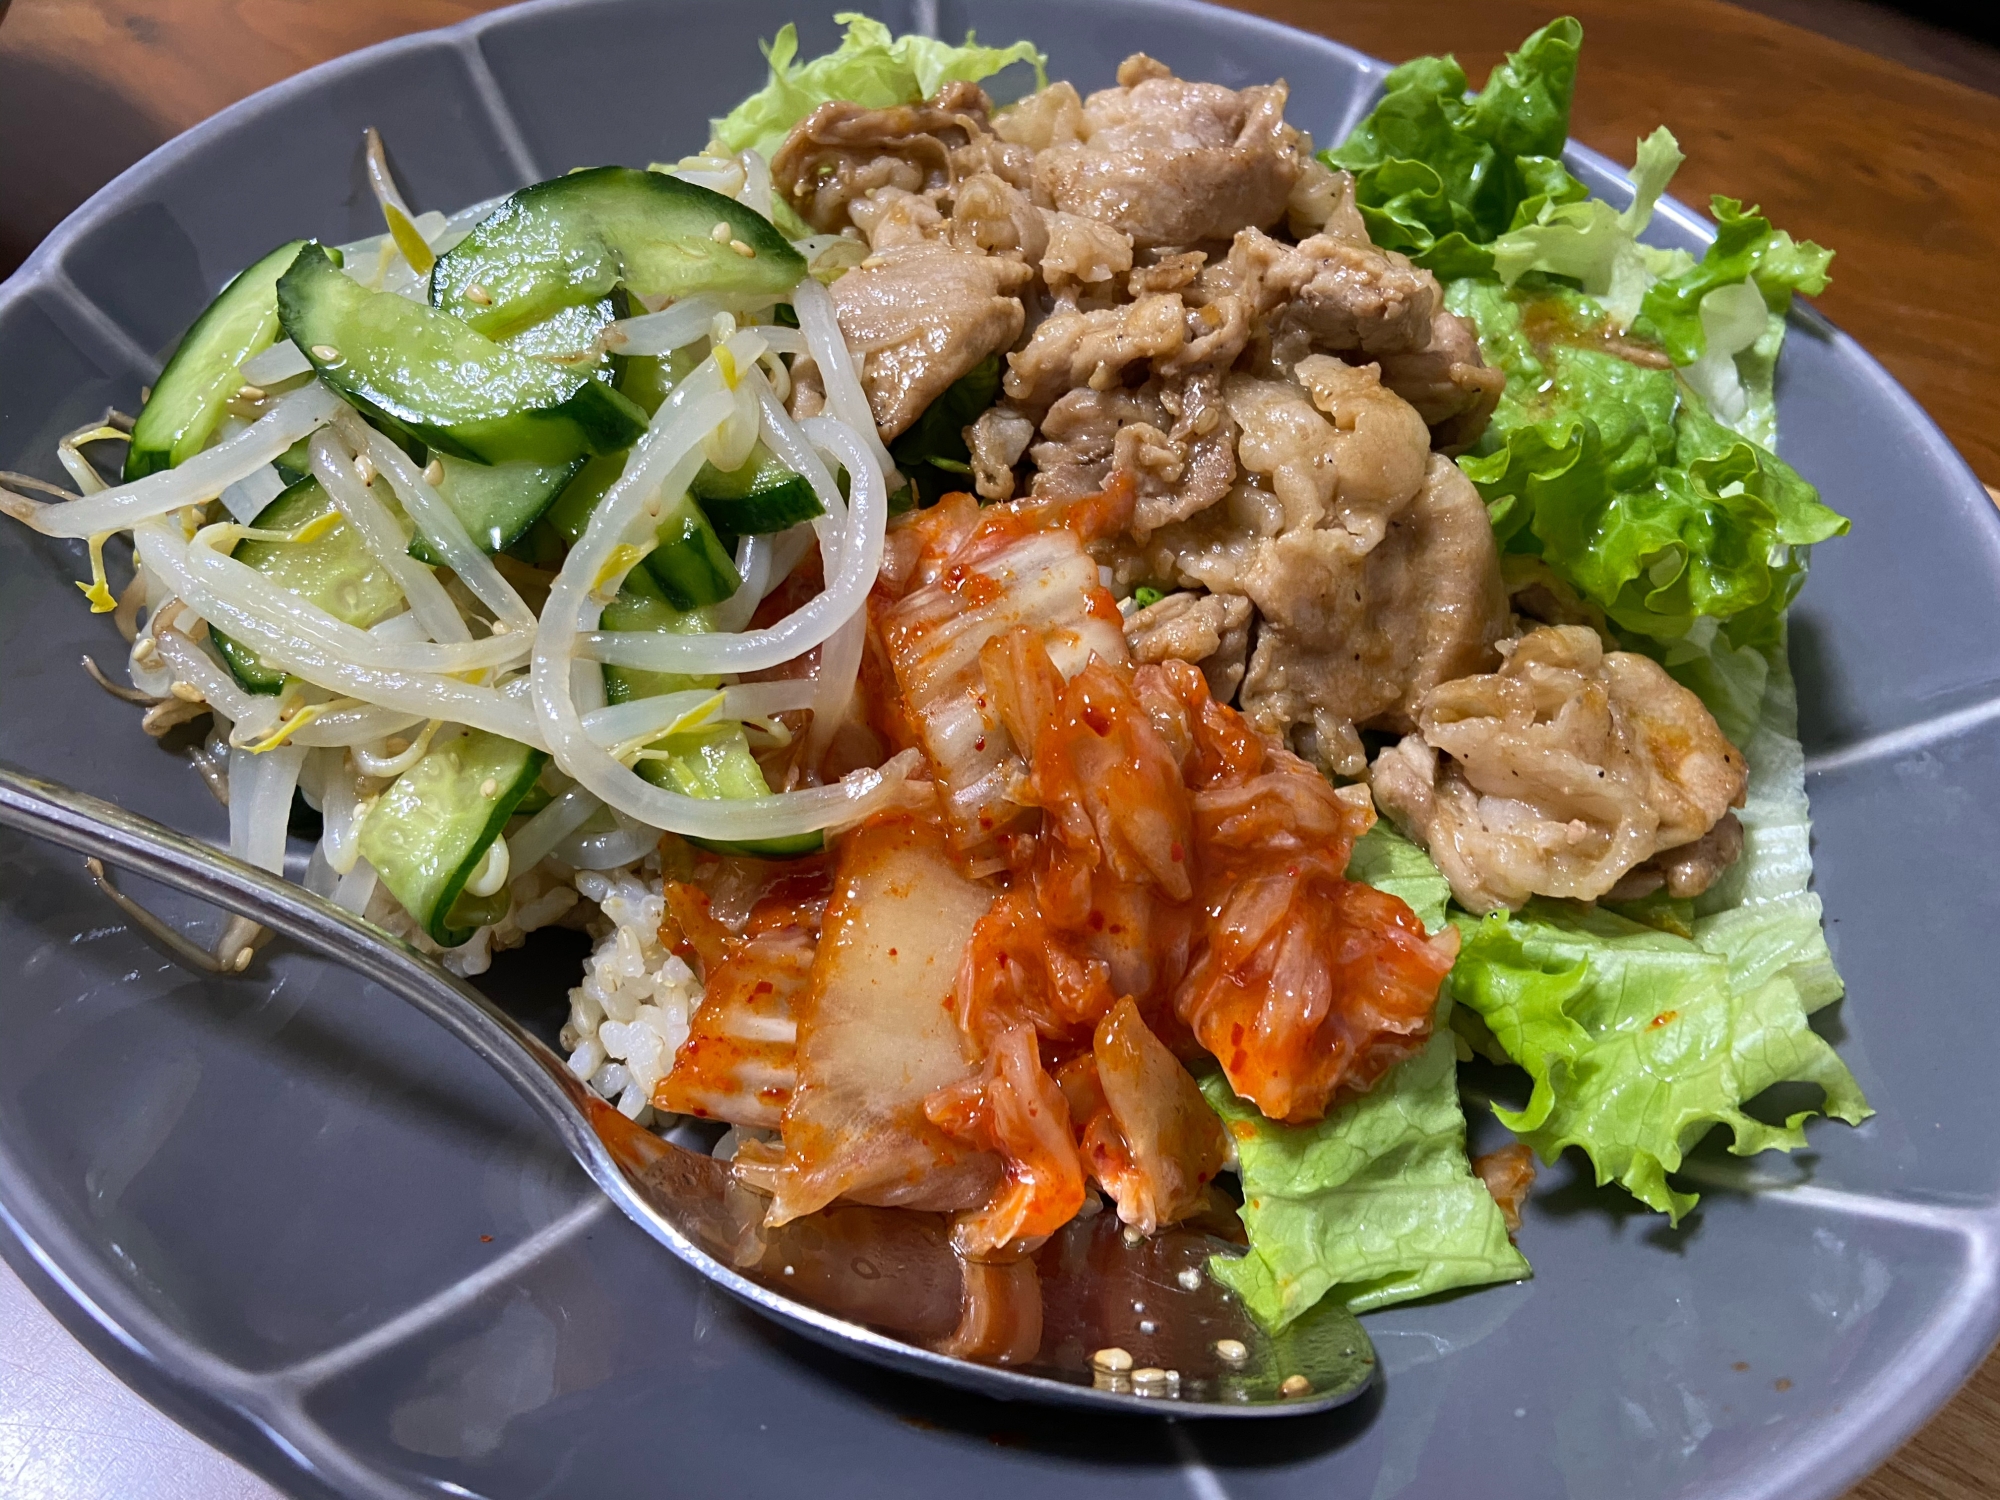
[334, 571]
[573, 507]
[647, 379]
[761, 496]
[717, 763]
[570, 334]
[573, 239]
[497, 502]
[798, 845]
[295, 463]
[428, 375]
[640, 605]
[713, 762]
[431, 829]
[187, 399]
[690, 564]
[650, 378]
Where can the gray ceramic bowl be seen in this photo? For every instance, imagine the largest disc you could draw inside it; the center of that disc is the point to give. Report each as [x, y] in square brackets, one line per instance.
[302, 1222]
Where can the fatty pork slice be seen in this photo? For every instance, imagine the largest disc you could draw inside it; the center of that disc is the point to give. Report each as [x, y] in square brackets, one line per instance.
[877, 1033]
[1170, 162]
[1012, 570]
[918, 316]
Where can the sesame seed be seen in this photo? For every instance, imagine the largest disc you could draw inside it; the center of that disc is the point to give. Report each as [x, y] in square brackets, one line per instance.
[743, 250]
[248, 392]
[434, 471]
[1295, 1385]
[721, 234]
[489, 787]
[1152, 1381]
[479, 294]
[365, 467]
[326, 354]
[1231, 1351]
[1113, 1360]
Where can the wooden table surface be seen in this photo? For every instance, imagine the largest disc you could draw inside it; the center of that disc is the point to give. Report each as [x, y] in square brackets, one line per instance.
[1891, 167]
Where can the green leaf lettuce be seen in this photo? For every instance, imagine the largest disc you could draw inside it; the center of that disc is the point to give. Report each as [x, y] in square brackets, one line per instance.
[871, 67]
[1439, 175]
[1638, 1041]
[1596, 245]
[1628, 488]
[1724, 318]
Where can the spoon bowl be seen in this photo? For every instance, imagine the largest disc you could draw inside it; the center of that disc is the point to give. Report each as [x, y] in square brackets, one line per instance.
[1089, 1319]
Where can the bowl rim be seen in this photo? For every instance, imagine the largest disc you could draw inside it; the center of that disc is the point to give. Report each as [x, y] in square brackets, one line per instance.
[187, 1384]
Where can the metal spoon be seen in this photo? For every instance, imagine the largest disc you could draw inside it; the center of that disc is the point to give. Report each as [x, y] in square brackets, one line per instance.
[1088, 1320]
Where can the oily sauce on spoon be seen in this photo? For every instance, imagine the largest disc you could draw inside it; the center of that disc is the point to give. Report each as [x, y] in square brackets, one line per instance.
[1132, 1317]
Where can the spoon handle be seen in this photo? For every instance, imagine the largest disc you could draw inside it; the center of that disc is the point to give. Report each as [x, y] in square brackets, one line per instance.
[93, 826]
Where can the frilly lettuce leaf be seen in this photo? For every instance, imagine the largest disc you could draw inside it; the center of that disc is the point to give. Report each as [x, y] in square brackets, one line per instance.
[1724, 318]
[1376, 1203]
[1639, 1041]
[871, 67]
[1439, 176]
[1746, 248]
[1596, 245]
[1644, 503]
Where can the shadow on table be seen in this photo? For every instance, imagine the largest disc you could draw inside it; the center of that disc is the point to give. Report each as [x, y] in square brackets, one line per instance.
[63, 135]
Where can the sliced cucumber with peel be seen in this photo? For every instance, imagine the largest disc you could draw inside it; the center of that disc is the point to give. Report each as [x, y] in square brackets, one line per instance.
[497, 502]
[717, 763]
[709, 762]
[691, 564]
[334, 571]
[427, 375]
[574, 239]
[431, 830]
[761, 496]
[188, 398]
[640, 605]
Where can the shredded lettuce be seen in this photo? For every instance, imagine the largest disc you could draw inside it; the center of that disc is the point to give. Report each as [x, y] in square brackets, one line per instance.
[1376, 1203]
[1639, 1041]
[870, 67]
[1439, 176]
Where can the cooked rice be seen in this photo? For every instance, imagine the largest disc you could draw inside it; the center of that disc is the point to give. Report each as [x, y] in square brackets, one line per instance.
[631, 1013]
